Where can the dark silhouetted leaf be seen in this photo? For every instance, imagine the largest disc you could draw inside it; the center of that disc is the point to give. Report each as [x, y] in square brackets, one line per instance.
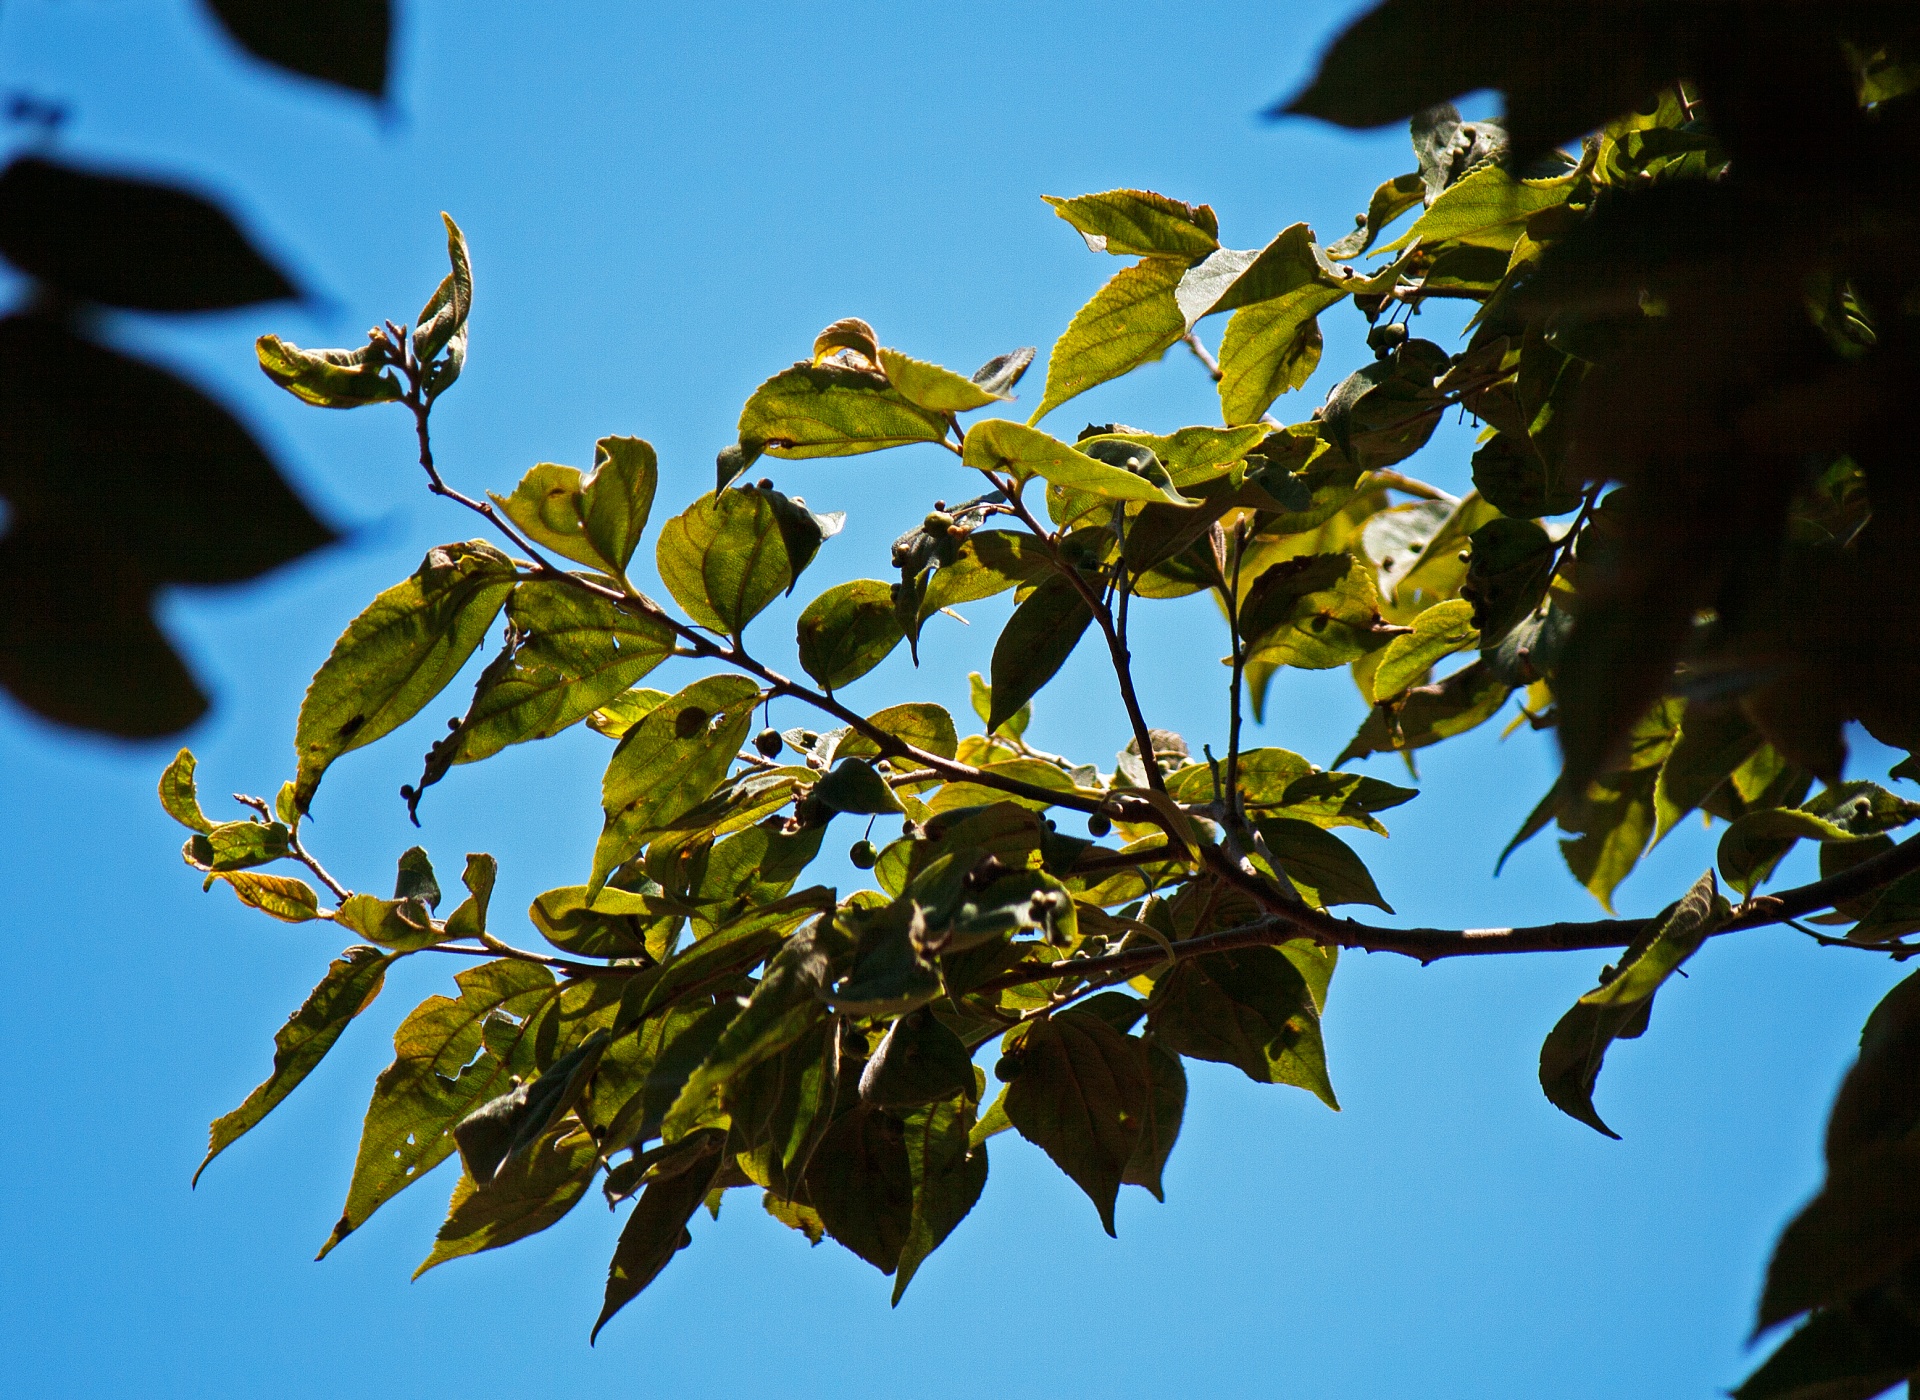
[532, 1192]
[861, 1183]
[1166, 1104]
[129, 242]
[190, 499]
[344, 42]
[948, 1174]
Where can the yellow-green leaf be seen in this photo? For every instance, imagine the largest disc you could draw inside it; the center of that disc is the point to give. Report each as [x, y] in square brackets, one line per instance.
[829, 411]
[1131, 320]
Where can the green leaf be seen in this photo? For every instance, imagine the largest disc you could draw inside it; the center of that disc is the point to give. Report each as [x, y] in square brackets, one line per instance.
[654, 1233]
[1273, 341]
[1000, 445]
[987, 562]
[1249, 1007]
[1390, 200]
[598, 520]
[1131, 320]
[981, 693]
[469, 918]
[450, 1056]
[948, 1174]
[618, 498]
[930, 387]
[329, 378]
[442, 324]
[398, 655]
[1129, 222]
[854, 786]
[668, 763]
[1338, 621]
[612, 924]
[1166, 1104]
[918, 1062]
[625, 710]
[401, 924]
[236, 846]
[1754, 844]
[725, 558]
[1429, 713]
[1035, 644]
[1487, 209]
[346, 44]
[351, 984]
[1321, 866]
[1191, 455]
[288, 900]
[785, 1005]
[824, 410]
[1339, 799]
[1081, 1092]
[1384, 412]
[891, 975]
[1437, 633]
[861, 1183]
[415, 880]
[921, 723]
[719, 959]
[1512, 474]
[177, 795]
[532, 1192]
[1618, 1009]
[847, 631]
[573, 653]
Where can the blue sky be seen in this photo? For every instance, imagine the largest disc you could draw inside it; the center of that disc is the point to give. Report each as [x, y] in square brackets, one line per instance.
[664, 206]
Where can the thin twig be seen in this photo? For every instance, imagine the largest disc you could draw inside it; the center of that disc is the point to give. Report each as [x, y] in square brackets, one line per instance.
[1203, 355]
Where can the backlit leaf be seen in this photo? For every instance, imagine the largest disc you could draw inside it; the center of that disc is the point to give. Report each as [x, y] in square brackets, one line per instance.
[826, 410]
[932, 388]
[847, 631]
[669, 762]
[1571, 1057]
[1437, 633]
[398, 654]
[725, 558]
[1140, 222]
[351, 984]
[1131, 320]
[450, 1056]
[1000, 445]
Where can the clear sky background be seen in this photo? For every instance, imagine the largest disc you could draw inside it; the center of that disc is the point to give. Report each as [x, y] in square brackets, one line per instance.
[664, 204]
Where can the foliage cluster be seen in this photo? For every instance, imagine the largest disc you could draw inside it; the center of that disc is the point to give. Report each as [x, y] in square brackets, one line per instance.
[1682, 553]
